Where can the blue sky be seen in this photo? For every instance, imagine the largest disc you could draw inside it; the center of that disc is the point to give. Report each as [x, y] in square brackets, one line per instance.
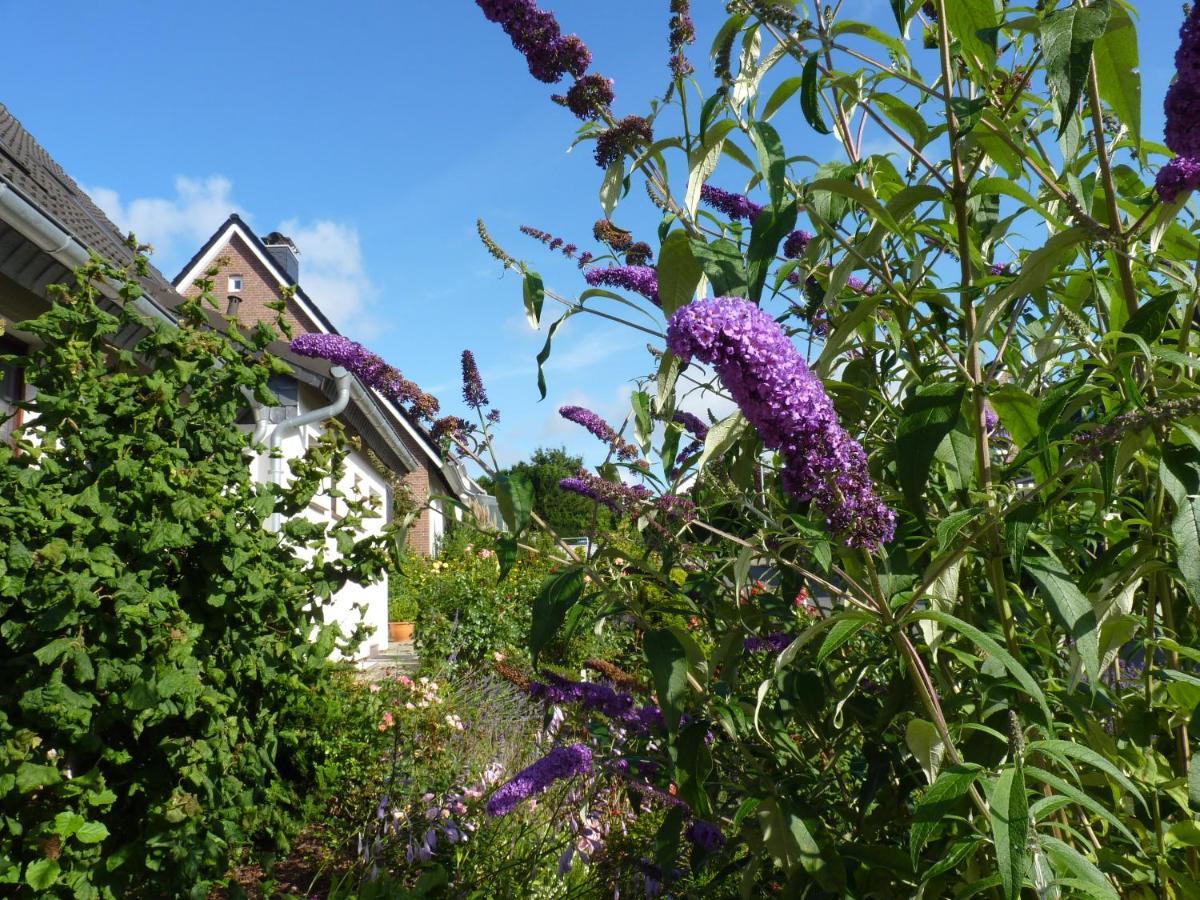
[375, 136]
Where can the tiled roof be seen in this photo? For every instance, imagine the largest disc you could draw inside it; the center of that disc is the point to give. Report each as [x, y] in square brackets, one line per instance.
[25, 164]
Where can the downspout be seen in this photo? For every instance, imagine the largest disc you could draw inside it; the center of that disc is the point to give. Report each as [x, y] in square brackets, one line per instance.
[275, 434]
[49, 237]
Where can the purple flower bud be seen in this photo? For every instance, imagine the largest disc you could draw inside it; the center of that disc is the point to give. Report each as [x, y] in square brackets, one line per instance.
[622, 138]
[706, 836]
[691, 423]
[794, 244]
[600, 429]
[1180, 175]
[589, 97]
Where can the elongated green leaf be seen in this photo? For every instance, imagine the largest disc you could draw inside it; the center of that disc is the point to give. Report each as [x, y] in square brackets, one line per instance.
[984, 642]
[973, 23]
[722, 263]
[769, 229]
[1193, 779]
[1118, 71]
[721, 437]
[1185, 529]
[506, 554]
[559, 593]
[928, 416]
[1067, 38]
[1086, 754]
[781, 95]
[839, 634]
[1010, 829]
[927, 747]
[942, 798]
[678, 272]
[1036, 269]
[534, 294]
[544, 353]
[1071, 608]
[1079, 797]
[704, 160]
[668, 666]
[771, 158]
[1067, 858]
[610, 188]
[514, 494]
[810, 103]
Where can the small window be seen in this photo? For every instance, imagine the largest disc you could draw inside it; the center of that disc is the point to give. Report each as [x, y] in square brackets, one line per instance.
[235, 284]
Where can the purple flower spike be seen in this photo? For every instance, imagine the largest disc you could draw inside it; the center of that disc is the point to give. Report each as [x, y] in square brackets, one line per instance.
[559, 764]
[787, 404]
[474, 394]
[622, 138]
[706, 836]
[601, 429]
[1180, 175]
[369, 367]
[692, 424]
[1182, 108]
[639, 279]
[736, 206]
[682, 31]
[535, 33]
[589, 97]
[772, 643]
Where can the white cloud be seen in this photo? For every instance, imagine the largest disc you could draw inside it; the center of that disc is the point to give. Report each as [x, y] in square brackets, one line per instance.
[332, 272]
[177, 226]
[331, 269]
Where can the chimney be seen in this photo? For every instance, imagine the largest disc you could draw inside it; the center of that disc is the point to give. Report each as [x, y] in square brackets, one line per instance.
[284, 252]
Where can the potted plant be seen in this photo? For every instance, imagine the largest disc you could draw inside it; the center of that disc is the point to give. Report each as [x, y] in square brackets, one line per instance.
[402, 608]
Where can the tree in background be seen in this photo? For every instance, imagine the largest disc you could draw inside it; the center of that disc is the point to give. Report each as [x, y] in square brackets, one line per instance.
[568, 514]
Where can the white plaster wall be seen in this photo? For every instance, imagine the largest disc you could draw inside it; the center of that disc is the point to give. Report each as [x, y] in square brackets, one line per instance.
[354, 602]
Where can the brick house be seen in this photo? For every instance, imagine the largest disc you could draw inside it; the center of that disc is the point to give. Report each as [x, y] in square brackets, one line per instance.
[48, 225]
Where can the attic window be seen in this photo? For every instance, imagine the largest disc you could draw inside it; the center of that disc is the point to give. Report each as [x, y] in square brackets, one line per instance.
[235, 284]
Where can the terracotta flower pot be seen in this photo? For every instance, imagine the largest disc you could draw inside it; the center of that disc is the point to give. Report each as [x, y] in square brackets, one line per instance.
[399, 632]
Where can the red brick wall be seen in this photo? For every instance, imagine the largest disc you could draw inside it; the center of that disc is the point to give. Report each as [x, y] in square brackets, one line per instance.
[259, 287]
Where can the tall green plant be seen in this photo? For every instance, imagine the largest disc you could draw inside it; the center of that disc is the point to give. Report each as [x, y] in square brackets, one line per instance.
[998, 695]
[162, 655]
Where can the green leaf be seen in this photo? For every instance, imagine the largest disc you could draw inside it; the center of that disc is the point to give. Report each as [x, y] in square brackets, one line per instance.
[31, 776]
[544, 353]
[1067, 38]
[771, 158]
[559, 593]
[507, 554]
[67, 823]
[42, 874]
[1151, 318]
[678, 272]
[1064, 856]
[1086, 754]
[1010, 829]
[810, 103]
[668, 667]
[722, 263]
[927, 747]
[781, 95]
[788, 840]
[984, 642]
[1185, 529]
[92, 833]
[1079, 797]
[1193, 782]
[939, 802]
[929, 414]
[535, 295]
[839, 634]
[1071, 608]
[514, 494]
[610, 188]
[1118, 72]
[974, 24]
[721, 437]
[771, 227]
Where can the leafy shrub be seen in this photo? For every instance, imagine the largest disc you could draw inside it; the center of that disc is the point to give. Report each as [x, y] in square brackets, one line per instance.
[163, 656]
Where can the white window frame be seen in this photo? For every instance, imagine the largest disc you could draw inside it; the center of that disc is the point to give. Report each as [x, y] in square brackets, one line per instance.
[236, 284]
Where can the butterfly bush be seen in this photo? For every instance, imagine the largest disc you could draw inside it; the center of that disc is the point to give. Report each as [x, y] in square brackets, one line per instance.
[787, 404]
[369, 367]
[639, 279]
[560, 764]
[1182, 110]
[601, 429]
